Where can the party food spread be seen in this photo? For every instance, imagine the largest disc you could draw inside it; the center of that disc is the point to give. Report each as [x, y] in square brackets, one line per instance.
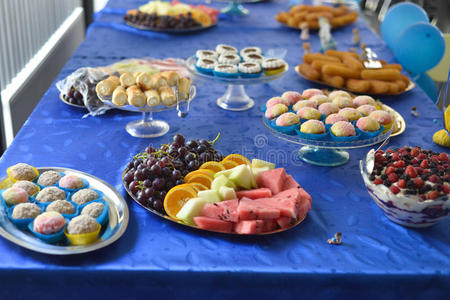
[164, 15]
[298, 14]
[342, 69]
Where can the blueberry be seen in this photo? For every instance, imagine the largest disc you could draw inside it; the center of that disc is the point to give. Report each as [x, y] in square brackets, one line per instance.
[384, 176]
[387, 183]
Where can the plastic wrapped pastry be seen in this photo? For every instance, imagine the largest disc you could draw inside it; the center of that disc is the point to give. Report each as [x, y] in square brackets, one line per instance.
[135, 96]
[126, 80]
[184, 86]
[157, 81]
[167, 96]
[119, 96]
[171, 77]
[106, 87]
[153, 98]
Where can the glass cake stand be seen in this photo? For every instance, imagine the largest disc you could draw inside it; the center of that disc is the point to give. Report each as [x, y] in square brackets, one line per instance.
[235, 98]
[326, 153]
[235, 7]
[147, 127]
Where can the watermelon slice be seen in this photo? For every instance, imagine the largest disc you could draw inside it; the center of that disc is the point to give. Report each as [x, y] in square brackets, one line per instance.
[288, 207]
[270, 225]
[255, 193]
[225, 210]
[249, 227]
[285, 222]
[213, 224]
[250, 210]
[305, 196]
[273, 180]
[290, 183]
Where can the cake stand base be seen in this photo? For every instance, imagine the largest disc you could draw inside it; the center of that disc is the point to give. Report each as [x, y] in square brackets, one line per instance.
[235, 99]
[323, 156]
[147, 127]
[235, 8]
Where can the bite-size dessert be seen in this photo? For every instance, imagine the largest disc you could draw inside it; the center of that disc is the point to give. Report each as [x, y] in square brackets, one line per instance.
[250, 69]
[343, 128]
[209, 54]
[339, 93]
[287, 119]
[366, 109]
[352, 114]
[250, 50]
[26, 211]
[275, 111]
[253, 57]
[30, 187]
[309, 113]
[308, 93]
[84, 196]
[342, 102]
[22, 171]
[49, 223]
[368, 124]
[276, 100]
[320, 99]
[382, 117]
[363, 100]
[82, 224]
[71, 182]
[304, 103]
[93, 210]
[292, 97]
[222, 48]
[334, 118]
[273, 66]
[229, 58]
[328, 108]
[225, 70]
[49, 178]
[14, 195]
[50, 194]
[312, 127]
[206, 65]
[61, 206]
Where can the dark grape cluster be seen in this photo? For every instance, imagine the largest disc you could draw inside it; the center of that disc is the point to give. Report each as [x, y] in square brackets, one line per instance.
[151, 174]
[162, 22]
[74, 97]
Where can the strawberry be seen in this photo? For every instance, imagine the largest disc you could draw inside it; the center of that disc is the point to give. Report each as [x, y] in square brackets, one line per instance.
[400, 164]
[421, 156]
[401, 183]
[423, 197]
[424, 164]
[434, 158]
[446, 189]
[426, 171]
[434, 178]
[443, 157]
[418, 182]
[390, 170]
[395, 189]
[418, 170]
[393, 177]
[411, 171]
[389, 151]
[414, 161]
[415, 151]
[378, 181]
[379, 152]
[380, 158]
[395, 156]
[433, 195]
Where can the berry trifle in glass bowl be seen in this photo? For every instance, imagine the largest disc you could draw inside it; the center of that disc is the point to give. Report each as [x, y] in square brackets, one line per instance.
[411, 185]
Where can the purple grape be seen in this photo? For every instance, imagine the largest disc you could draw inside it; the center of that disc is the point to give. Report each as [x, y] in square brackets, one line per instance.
[179, 139]
[158, 183]
[176, 175]
[179, 181]
[189, 157]
[182, 151]
[134, 187]
[147, 183]
[149, 149]
[139, 175]
[161, 163]
[169, 185]
[192, 144]
[128, 178]
[193, 165]
[165, 160]
[137, 163]
[166, 172]
[162, 194]
[201, 149]
[157, 205]
[148, 192]
[156, 170]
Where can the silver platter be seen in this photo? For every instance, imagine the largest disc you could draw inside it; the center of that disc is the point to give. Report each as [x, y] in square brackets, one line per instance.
[117, 224]
[170, 30]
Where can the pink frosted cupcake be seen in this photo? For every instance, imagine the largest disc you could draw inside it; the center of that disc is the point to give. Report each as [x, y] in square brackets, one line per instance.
[320, 99]
[287, 119]
[352, 114]
[343, 128]
[309, 113]
[339, 93]
[311, 92]
[15, 195]
[366, 109]
[312, 127]
[276, 100]
[304, 103]
[333, 118]
[363, 100]
[382, 117]
[71, 182]
[328, 108]
[49, 223]
[276, 110]
[342, 102]
[292, 97]
[368, 124]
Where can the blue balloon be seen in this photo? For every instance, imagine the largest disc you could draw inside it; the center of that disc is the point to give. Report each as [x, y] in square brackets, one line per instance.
[428, 86]
[419, 47]
[398, 17]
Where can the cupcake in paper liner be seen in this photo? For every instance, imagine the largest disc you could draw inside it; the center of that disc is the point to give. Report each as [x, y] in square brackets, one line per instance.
[273, 66]
[308, 93]
[384, 118]
[286, 123]
[276, 100]
[292, 97]
[250, 50]
[22, 171]
[339, 93]
[82, 230]
[226, 71]
[49, 178]
[72, 183]
[208, 54]
[328, 108]
[97, 209]
[49, 227]
[13, 196]
[320, 99]
[352, 114]
[222, 48]
[50, 194]
[342, 102]
[254, 58]
[363, 100]
[366, 109]
[309, 113]
[304, 103]
[229, 59]
[66, 208]
[30, 187]
[369, 127]
[23, 214]
[206, 65]
[249, 70]
[312, 130]
[83, 196]
[275, 110]
[343, 131]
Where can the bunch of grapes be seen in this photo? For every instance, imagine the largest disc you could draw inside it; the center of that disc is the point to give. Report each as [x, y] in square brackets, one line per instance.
[151, 174]
[74, 97]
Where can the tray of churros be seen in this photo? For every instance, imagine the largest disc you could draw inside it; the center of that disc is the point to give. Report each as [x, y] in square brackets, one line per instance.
[347, 71]
[309, 14]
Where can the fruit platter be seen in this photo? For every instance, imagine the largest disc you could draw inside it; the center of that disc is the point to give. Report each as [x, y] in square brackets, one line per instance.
[237, 68]
[172, 17]
[59, 211]
[190, 183]
[411, 185]
[348, 71]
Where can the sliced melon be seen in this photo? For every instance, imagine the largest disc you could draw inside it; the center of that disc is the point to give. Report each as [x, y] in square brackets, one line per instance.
[210, 195]
[227, 193]
[225, 173]
[191, 209]
[242, 177]
[221, 181]
[259, 163]
[257, 171]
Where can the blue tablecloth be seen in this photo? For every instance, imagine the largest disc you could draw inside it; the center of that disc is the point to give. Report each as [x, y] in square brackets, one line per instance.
[159, 259]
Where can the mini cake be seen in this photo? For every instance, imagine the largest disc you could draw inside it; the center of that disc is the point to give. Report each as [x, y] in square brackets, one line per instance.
[363, 100]
[308, 93]
[30, 187]
[287, 119]
[304, 103]
[250, 50]
[49, 178]
[275, 111]
[342, 102]
[343, 128]
[339, 93]
[333, 118]
[61, 206]
[312, 127]
[368, 124]
[328, 108]
[254, 57]
[15, 195]
[320, 99]
[22, 171]
[84, 196]
[273, 66]
[222, 48]
[250, 69]
[71, 182]
[82, 224]
[276, 100]
[366, 109]
[229, 59]
[292, 97]
[309, 113]
[26, 211]
[50, 194]
[206, 54]
[205, 65]
[223, 70]
[382, 117]
[352, 114]
[93, 210]
[49, 223]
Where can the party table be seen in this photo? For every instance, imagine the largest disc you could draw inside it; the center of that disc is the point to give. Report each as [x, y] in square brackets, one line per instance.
[159, 259]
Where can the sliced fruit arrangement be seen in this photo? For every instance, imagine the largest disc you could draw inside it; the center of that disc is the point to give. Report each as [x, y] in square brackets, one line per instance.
[151, 174]
[249, 198]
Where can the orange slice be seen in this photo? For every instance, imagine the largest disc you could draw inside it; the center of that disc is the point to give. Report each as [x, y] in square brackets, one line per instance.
[198, 186]
[200, 178]
[239, 159]
[206, 172]
[229, 164]
[177, 197]
[213, 166]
